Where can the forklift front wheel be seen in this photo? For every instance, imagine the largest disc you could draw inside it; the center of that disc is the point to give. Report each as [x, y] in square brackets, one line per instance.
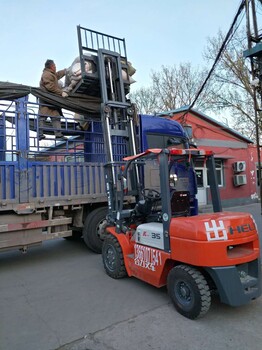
[189, 291]
[113, 258]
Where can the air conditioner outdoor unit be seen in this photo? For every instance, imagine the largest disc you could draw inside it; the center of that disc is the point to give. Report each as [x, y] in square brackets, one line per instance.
[240, 180]
[239, 166]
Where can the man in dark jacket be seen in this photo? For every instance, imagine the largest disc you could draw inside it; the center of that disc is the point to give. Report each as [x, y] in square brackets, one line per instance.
[49, 83]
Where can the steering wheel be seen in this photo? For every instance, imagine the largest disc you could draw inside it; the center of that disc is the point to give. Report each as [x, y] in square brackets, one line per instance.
[150, 194]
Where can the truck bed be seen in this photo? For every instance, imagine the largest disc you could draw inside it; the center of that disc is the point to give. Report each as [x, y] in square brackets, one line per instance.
[35, 174]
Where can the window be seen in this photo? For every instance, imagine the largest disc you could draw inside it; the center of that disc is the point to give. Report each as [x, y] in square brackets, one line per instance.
[201, 173]
[200, 177]
[219, 171]
[163, 141]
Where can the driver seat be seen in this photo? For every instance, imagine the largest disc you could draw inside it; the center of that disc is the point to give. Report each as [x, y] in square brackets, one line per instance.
[180, 203]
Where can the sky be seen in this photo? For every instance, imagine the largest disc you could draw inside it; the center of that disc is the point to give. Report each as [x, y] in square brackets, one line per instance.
[157, 33]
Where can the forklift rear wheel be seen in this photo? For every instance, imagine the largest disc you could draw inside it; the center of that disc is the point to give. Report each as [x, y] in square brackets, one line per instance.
[113, 258]
[189, 291]
[94, 226]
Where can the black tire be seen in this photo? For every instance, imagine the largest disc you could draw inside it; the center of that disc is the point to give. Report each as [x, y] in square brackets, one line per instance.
[94, 225]
[189, 291]
[113, 258]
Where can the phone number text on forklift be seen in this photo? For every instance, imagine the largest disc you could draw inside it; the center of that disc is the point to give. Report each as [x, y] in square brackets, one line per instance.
[147, 257]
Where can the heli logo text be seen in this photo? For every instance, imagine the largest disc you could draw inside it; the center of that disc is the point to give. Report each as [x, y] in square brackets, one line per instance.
[216, 230]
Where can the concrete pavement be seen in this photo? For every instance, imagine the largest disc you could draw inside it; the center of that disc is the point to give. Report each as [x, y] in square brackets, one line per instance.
[162, 328]
[58, 296]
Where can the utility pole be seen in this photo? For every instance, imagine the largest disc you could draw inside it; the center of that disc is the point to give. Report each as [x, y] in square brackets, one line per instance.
[254, 52]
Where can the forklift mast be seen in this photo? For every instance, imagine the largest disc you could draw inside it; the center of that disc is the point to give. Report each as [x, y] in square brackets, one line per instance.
[118, 115]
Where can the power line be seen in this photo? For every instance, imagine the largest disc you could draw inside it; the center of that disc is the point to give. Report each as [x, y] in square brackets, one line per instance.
[222, 48]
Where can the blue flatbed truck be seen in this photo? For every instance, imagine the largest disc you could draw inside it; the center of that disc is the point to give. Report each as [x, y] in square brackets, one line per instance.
[51, 189]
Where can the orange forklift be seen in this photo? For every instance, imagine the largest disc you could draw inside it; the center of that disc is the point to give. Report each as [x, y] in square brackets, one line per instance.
[156, 234]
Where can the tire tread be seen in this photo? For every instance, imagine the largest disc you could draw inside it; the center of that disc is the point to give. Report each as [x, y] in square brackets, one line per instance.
[120, 272]
[202, 286]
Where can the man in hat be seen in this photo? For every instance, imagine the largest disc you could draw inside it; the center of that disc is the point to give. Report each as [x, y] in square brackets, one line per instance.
[49, 83]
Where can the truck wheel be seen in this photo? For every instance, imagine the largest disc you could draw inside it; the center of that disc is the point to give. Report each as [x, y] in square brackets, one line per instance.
[113, 259]
[94, 226]
[189, 291]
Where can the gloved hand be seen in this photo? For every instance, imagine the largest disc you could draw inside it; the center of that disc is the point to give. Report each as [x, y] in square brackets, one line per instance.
[64, 94]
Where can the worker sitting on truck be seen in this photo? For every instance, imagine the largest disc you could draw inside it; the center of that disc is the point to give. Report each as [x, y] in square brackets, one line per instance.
[50, 83]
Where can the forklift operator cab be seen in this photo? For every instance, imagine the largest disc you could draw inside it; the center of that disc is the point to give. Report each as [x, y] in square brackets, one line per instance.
[182, 188]
[170, 186]
[178, 197]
